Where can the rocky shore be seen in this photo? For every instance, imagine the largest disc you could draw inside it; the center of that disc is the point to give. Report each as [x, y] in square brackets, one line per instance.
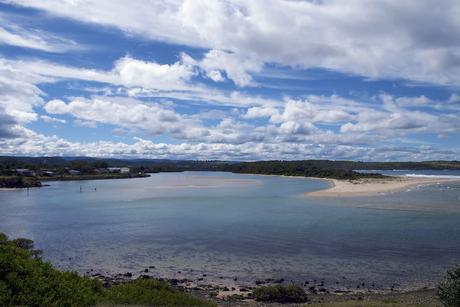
[226, 293]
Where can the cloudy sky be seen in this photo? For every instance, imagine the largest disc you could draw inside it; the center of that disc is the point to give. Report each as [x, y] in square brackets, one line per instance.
[233, 79]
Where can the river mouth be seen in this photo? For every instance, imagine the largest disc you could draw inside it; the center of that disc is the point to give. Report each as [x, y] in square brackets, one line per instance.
[245, 227]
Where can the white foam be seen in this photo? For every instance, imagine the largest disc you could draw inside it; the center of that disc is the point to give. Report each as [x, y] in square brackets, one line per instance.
[432, 176]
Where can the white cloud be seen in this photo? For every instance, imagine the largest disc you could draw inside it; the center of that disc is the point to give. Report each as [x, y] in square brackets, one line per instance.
[454, 98]
[236, 67]
[34, 39]
[152, 118]
[391, 39]
[49, 119]
[134, 72]
[19, 93]
[32, 143]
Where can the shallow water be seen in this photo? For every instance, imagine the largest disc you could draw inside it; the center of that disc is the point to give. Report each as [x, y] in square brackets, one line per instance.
[245, 226]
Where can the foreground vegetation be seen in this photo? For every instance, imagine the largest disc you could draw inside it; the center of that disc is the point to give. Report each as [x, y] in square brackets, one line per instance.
[8, 182]
[26, 280]
[449, 289]
[280, 294]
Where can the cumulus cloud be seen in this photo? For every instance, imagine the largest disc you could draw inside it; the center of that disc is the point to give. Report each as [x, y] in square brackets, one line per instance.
[235, 67]
[239, 40]
[152, 118]
[391, 40]
[127, 71]
[134, 72]
[37, 144]
[19, 93]
[7, 125]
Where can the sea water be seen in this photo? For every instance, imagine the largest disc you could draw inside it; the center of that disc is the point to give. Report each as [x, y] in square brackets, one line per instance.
[245, 227]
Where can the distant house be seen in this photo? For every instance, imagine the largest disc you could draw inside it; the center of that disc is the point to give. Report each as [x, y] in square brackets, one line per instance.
[74, 172]
[48, 173]
[114, 169]
[101, 171]
[25, 172]
[122, 170]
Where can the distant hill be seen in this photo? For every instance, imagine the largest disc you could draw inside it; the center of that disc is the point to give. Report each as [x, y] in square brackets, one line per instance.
[308, 168]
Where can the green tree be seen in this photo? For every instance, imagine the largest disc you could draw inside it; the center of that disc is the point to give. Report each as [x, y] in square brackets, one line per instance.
[449, 289]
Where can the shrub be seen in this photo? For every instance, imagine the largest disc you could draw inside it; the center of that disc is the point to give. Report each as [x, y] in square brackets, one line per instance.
[281, 294]
[151, 292]
[27, 280]
[449, 289]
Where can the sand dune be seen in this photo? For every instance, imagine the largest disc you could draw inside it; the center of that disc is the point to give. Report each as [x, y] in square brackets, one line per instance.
[366, 187]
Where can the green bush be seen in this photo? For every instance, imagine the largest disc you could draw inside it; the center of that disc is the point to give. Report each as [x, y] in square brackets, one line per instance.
[26, 280]
[151, 292]
[449, 290]
[280, 294]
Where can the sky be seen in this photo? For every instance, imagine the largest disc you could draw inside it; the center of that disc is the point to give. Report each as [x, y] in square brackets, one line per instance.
[231, 80]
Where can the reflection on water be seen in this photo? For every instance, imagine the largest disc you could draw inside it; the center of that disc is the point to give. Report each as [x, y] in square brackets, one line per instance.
[245, 226]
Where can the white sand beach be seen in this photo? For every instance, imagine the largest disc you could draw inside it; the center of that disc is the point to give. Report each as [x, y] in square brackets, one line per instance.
[365, 187]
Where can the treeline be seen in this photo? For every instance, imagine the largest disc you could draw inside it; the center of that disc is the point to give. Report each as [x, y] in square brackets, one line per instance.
[309, 168]
[358, 165]
[298, 168]
[10, 182]
[86, 165]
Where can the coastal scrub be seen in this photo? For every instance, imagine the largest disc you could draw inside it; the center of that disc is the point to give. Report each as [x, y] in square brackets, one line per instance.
[27, 280]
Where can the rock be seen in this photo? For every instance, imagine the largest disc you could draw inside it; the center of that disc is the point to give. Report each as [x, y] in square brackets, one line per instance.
[151, 267]
[146, 270]
[128, 274]
[225, 289]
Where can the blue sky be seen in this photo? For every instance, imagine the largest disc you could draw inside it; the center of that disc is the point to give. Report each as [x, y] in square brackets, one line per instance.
[236, 80]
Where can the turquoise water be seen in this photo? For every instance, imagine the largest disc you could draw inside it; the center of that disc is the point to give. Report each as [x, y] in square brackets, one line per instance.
[246, 226]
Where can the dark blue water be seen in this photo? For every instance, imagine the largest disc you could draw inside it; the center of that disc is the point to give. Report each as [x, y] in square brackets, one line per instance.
[245, 226]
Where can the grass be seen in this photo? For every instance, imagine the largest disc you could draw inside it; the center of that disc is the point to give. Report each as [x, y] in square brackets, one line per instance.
[369, 304]
[280, 294]
[150, 292]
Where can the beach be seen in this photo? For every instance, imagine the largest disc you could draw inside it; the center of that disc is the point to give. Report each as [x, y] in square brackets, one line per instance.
[375, 186]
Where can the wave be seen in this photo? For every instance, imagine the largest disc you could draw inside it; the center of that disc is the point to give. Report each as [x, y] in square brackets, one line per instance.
[432, 176]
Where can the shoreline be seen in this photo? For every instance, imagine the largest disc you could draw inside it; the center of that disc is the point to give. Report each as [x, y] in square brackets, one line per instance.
[377, 186]
[223, 291]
